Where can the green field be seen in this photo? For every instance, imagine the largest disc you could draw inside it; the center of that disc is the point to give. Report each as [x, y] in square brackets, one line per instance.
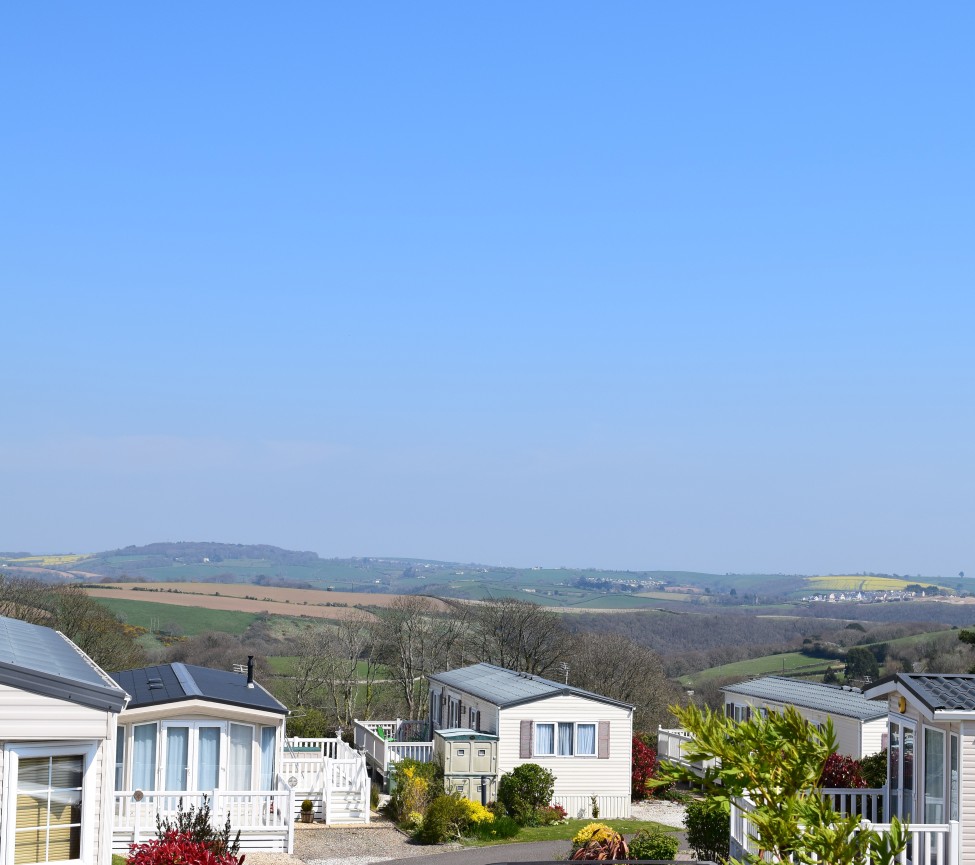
[190, 620]
[787, 663]
[793, 664]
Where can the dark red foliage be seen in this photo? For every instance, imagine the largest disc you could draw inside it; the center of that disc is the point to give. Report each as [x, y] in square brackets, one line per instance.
[178, 849]
[842, 772]
[644, 768]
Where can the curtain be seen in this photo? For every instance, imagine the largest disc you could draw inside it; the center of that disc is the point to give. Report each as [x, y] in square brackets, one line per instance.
[144, 757]
[177, 756]
[544, 738]
[586, 743]
[565, 740]
[241, 756]
[268, 743]
[208, 770]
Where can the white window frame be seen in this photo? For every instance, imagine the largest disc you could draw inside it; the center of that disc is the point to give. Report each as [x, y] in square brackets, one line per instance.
[12, 754]
[595, 738]
[575, 740]
[538, 725]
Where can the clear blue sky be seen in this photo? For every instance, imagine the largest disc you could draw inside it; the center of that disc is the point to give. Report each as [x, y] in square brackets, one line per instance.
[633, 285]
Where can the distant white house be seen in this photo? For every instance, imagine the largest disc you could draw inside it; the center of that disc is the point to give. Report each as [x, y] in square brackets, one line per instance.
[860, 724]
[58, 712]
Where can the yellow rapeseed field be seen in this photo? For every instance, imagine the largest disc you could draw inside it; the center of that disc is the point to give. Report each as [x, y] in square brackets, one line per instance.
[48, 561]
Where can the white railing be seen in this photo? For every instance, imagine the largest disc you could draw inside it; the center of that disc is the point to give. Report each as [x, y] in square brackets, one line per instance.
[332, 775]
[422, 752]
[385, 742]
[297, 748]
[671, 745]
[928, 843]
[258, 814]
[867, 803]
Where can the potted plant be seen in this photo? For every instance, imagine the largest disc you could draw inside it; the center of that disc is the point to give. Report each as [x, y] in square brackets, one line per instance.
[307, 811]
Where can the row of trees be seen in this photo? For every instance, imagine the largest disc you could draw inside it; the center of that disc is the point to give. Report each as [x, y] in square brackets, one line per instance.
[339, 668]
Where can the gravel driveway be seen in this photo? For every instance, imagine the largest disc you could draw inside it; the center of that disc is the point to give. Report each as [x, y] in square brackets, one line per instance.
[381, 841]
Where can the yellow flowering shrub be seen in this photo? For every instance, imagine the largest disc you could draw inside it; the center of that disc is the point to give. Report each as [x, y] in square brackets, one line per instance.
[592, 832]
[477, 813]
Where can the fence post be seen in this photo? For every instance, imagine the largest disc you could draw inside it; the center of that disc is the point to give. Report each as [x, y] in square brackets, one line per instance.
[954, 839]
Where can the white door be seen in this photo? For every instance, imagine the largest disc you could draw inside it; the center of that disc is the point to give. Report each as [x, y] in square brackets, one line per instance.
[194, 754]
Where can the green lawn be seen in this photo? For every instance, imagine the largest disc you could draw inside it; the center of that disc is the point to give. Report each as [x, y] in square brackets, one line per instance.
[566, 831]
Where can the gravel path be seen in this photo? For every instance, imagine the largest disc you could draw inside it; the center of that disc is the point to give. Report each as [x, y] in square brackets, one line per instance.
[381, 841]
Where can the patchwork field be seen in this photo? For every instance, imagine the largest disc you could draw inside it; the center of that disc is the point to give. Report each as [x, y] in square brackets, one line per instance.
[865, 584]
[250, 599]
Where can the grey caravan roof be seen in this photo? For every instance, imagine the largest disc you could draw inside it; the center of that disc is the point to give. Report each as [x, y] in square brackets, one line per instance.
[832, 699]
[171, 683]
[506, 688]
[37, 659]
[939, 692]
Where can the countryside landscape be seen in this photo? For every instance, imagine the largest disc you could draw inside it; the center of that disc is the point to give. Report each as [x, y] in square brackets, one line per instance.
[797, 625]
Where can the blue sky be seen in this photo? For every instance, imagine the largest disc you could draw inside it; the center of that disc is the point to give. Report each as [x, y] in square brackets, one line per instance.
[632, 285]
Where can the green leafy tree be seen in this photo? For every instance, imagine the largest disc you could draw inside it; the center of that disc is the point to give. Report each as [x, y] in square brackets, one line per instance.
[861, 664]
[776, 762]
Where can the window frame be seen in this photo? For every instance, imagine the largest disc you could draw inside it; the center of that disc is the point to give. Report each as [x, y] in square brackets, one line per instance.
[555, 725]
[13, 752]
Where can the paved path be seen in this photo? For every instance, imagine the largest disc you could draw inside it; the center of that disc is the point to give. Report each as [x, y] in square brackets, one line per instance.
[535, 851]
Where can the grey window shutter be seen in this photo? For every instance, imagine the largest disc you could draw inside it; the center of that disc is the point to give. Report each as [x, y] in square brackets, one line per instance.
[603, 742]
[527, 739]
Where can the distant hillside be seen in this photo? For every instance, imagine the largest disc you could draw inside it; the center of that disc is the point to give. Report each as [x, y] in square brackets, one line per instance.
[566, 588]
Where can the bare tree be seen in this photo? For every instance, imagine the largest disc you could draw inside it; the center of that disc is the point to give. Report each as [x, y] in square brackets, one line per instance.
[350, 669]
[616, 667]
[415, 640]
[518, 635]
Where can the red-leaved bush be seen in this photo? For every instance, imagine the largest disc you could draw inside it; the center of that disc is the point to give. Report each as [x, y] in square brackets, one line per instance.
[644, 768]
[842, 772]
[176, 848]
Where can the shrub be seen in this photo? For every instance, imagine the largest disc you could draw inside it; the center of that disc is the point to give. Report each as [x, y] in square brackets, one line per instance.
[548, 815]
[179, 847]
[196, 826]
[653, 844]
[644, 768]
[597, 841]
[707, 829]
[591, 832]
[447, 817]
[494, 830]
[374, 796]
[874, 769]
[524, 790]
[841, 772]
[412, 787]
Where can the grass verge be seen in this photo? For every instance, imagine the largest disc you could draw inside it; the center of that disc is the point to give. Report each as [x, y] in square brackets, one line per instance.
[566, 831]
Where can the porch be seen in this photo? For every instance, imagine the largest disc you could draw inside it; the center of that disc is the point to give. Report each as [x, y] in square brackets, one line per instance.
[332, 775]
[383, 743]
[326, 771]
[264, 817]
[928, 843]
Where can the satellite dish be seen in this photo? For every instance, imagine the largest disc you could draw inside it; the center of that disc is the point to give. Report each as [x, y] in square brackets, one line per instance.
[138, 795]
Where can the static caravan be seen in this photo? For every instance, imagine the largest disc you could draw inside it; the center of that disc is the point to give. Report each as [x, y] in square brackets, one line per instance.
[58, 712]
[860, 724]
[584, 739]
